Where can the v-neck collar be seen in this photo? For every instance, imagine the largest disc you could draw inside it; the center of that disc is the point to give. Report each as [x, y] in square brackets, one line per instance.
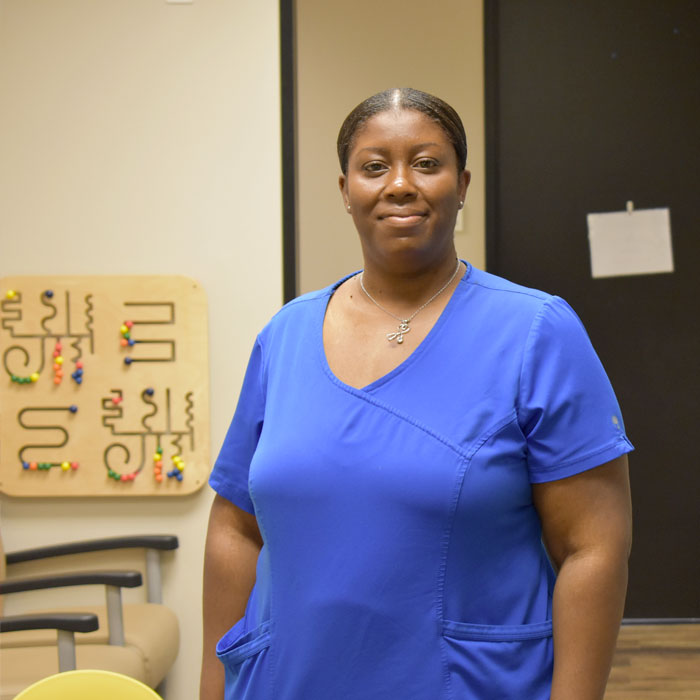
[420, 349]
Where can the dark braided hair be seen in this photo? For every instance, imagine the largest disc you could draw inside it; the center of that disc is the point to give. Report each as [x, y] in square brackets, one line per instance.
[403, 98]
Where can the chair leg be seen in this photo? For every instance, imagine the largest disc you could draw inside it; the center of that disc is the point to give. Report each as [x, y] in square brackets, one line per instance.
[66, 651]
[153, 580]
[115, 617]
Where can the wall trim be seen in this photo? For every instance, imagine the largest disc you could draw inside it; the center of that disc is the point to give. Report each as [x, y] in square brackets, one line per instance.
[491, 116]
[289, 160]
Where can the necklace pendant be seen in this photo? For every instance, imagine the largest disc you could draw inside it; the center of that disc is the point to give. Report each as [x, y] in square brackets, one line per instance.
[399, 333]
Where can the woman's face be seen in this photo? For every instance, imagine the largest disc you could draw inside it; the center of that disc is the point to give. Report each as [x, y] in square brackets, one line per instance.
[403, 189]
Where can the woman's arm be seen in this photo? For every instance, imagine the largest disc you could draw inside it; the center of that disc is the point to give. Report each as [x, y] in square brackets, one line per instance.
[230, 557]
[587, 529]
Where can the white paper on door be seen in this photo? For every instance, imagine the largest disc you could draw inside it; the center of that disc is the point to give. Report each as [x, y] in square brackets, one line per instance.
[632, 242]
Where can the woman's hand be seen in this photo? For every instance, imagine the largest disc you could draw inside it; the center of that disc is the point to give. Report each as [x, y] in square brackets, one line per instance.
[587, 530]
[232, 548]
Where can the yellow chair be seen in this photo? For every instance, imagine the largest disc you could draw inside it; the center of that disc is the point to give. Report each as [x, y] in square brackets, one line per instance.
[88, 685]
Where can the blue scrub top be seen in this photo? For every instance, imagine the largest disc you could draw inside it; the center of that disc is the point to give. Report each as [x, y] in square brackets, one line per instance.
[402, 554]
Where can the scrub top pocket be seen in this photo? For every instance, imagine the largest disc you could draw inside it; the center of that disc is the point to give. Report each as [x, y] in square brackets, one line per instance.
[499, 662]
[245, 659]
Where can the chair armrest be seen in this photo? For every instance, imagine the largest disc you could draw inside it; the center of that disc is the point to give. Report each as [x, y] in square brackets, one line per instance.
[162, 542]
[65, 624]
[121, 579]
[113, 581]
[71, 622]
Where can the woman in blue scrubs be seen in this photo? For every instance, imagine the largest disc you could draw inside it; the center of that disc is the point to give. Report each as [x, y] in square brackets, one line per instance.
[423, 494]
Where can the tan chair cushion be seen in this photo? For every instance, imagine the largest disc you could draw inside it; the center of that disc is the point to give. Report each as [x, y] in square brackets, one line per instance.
[21, 667]
[151, 630]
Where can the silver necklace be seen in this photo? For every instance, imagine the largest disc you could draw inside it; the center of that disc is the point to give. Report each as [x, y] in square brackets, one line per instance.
[404, 327]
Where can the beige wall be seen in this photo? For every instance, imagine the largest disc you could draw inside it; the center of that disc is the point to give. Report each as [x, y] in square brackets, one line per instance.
[143, 137]
[348, 51]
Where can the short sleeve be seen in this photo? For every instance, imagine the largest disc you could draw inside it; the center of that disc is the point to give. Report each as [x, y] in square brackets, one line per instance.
[567, 409]
[229, 478]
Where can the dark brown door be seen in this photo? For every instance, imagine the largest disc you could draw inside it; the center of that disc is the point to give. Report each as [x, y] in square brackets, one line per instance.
[589, 105]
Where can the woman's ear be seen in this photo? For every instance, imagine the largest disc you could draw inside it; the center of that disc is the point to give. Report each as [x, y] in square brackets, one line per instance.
[464, 179]
[342, 182]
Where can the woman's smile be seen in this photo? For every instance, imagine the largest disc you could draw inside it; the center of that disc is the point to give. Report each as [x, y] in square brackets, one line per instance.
[403, 218]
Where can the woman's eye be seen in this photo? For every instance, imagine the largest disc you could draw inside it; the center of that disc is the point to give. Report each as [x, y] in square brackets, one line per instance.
[374, 167]
[426, 163]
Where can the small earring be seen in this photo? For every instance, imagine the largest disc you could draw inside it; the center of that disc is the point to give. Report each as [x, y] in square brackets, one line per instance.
[348, 207]
[461, 203]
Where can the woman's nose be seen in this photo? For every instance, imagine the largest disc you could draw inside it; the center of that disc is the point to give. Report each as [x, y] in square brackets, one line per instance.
[400, 185]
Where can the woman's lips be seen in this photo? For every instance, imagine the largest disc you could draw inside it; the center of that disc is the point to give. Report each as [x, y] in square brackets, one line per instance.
[403, 219]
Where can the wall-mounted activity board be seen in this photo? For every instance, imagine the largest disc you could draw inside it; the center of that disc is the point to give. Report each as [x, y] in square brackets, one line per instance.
[104, 389]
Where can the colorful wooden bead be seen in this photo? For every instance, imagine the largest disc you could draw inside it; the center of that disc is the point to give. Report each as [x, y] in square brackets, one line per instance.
[73, 408]
[74, 465]
[123, 329]
[25, 465]
[128, 324]
[33, 466]
[78, 365]
[48, 293]
[65, 466]
[11, 294]
[128, 360]
[34, 376]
